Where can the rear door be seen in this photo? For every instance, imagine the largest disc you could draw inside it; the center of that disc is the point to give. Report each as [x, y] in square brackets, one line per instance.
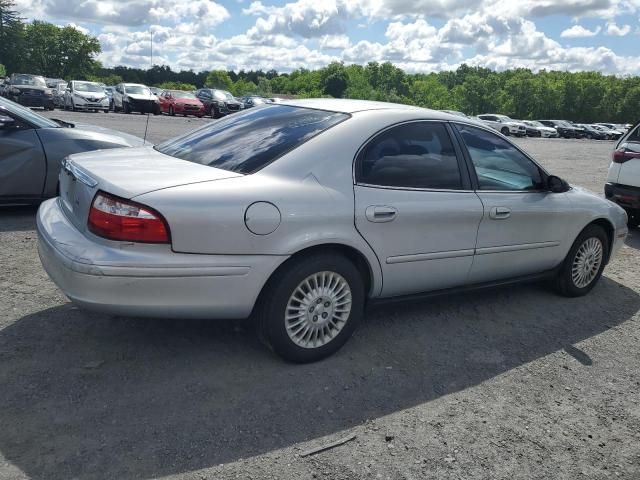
[523, 227]
[22, 161]
[414, 205]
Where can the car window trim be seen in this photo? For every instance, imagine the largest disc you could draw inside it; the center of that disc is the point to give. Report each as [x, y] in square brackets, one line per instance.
[474, 176]
[465, 180]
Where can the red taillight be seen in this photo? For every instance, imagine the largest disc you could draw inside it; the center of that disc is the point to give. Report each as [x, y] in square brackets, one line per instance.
[622, 155]
[116, 218]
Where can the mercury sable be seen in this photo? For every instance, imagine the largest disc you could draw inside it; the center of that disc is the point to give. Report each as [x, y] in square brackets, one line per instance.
[301, 213]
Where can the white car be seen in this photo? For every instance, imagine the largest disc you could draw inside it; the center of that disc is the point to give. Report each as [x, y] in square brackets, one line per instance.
[81, 95]
[135, 97]
[545, 132]
[623, 179]
[59, 95]
[505, 125]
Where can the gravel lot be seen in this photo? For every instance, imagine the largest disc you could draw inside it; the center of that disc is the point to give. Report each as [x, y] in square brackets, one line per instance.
[513, 383]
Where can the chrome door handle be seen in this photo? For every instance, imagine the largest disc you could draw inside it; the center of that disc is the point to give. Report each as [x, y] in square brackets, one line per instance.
[380, 213]
[499, 213]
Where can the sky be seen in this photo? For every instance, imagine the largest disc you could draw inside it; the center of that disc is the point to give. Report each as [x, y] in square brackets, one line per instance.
[416, 35]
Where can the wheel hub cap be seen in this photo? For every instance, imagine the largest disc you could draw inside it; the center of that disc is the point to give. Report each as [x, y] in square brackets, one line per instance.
[586, 263]
[318, 309]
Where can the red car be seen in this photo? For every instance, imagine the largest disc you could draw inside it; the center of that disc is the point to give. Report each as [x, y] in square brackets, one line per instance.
[182, 103]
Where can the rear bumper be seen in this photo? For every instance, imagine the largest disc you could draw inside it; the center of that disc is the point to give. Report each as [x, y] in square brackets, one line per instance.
[626, 196]
[147, 280]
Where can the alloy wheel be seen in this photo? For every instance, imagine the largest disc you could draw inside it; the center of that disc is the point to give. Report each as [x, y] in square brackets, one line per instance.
[586, 263]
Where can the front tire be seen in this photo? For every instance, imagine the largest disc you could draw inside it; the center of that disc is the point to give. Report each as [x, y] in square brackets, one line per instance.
[126, 108]
[311, 307]
[583, 266]
[504, 131]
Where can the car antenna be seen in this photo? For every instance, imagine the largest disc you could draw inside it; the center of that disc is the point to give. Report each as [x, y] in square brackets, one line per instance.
[146, 128]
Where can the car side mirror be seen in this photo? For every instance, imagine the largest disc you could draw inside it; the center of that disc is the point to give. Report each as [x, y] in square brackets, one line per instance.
[556, 184]
[6, 122]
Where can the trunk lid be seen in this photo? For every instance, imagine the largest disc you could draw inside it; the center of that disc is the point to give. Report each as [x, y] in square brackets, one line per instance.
[127, 173]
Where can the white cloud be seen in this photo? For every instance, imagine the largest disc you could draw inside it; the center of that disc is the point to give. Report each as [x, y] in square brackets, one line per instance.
[578, 31]
[615, 30]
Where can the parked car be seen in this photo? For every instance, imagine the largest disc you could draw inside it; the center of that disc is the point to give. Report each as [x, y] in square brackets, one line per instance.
[134, 97]
[564, 128]
[545, 132]
[253, 100]
[623, 179]
[156, 91]
[181, 103]
[59, 93]
[53, 82]
[592, 133]
[614, 128]
[218, 103]
[81, 95]
[504, 124]
[109, 92]
[611, 134]
[4, 83]
[30, 91]
[349, 202]
[32, 148]
[531, 131]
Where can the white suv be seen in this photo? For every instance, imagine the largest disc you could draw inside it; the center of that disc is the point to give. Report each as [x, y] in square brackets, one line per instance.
[505, 125]
[623, 180]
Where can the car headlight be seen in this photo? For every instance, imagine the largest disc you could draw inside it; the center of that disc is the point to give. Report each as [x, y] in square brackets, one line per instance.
[48, 91]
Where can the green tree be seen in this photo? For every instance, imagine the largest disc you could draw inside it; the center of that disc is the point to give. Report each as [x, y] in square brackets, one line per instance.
[264, 87]
[63, 52]
[334, 79]
[11, 36]
[176, 86]
[218, 79]
[3, 71]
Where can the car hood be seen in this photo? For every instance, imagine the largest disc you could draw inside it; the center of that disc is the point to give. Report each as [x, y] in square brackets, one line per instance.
[515, 124]
[129, 140]
[188, 101]
[139, 96]
[130, 172]
[90, 94]
[29, 87]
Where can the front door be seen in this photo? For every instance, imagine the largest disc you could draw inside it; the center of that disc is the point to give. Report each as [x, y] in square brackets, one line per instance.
[22, 162]
[522, 230]
[415, 207]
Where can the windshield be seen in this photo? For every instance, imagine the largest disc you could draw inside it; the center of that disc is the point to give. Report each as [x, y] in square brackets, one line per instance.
[87, 87]
[504, 118]
[179, 94]
[26, 114]
[222, 95]
[28, 80]
[246, 142]
[137, 89]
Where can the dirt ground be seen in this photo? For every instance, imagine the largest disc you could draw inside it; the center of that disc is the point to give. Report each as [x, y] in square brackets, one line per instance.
[510, 383]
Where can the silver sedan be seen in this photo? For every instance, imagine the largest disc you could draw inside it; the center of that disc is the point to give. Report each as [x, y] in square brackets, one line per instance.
[301, 213]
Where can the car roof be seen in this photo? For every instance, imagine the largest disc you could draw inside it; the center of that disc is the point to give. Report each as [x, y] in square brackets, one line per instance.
[342, 105]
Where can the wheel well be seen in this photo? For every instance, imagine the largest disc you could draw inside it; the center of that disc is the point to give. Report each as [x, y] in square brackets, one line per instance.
[609, 230]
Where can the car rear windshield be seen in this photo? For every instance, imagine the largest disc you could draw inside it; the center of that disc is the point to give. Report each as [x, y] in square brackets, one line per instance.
[245, 142]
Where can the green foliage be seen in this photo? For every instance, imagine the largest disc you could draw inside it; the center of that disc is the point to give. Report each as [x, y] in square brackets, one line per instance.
[107, 79]
[218, 79]
[176, 86]
[334, 79]
[3, 71]
[11, 36]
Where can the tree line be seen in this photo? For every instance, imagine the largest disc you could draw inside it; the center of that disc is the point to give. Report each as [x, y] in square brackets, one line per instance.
[65, 52]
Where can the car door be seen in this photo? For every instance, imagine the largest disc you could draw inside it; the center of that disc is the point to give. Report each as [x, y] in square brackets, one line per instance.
[117, 97]
[22, 160]
[522, 229]
[165, 100]
[414, 205]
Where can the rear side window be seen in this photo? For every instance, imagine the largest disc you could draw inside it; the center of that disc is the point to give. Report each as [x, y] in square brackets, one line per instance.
[245, 142]
[412, 155]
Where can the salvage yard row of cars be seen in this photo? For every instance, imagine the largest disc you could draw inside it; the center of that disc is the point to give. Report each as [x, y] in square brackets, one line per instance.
[352, 202]
[80, 95]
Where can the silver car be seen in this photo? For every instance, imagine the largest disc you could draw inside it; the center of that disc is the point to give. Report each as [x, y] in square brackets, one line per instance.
[300, 213]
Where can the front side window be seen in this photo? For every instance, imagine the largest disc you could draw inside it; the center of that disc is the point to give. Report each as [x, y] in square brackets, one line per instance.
[412, 155]
[498, 164]
[247, 141]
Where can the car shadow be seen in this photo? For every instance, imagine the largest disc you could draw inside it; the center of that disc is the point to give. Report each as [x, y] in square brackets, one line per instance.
[633, 238]
[18, 218]
[84, 395]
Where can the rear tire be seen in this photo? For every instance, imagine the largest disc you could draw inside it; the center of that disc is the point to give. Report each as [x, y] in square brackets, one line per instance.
[311, 307]
[633, 218]
[583, 266]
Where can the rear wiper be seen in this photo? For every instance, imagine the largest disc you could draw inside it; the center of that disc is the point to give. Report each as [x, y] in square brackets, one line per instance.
[62, 123]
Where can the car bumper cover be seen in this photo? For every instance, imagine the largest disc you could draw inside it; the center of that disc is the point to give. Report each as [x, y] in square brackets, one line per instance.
[149, 282]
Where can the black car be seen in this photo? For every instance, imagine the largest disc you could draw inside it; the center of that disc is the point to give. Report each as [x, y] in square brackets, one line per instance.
[564, 128]
[592, 133]
[218, 103]
[30, 91]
